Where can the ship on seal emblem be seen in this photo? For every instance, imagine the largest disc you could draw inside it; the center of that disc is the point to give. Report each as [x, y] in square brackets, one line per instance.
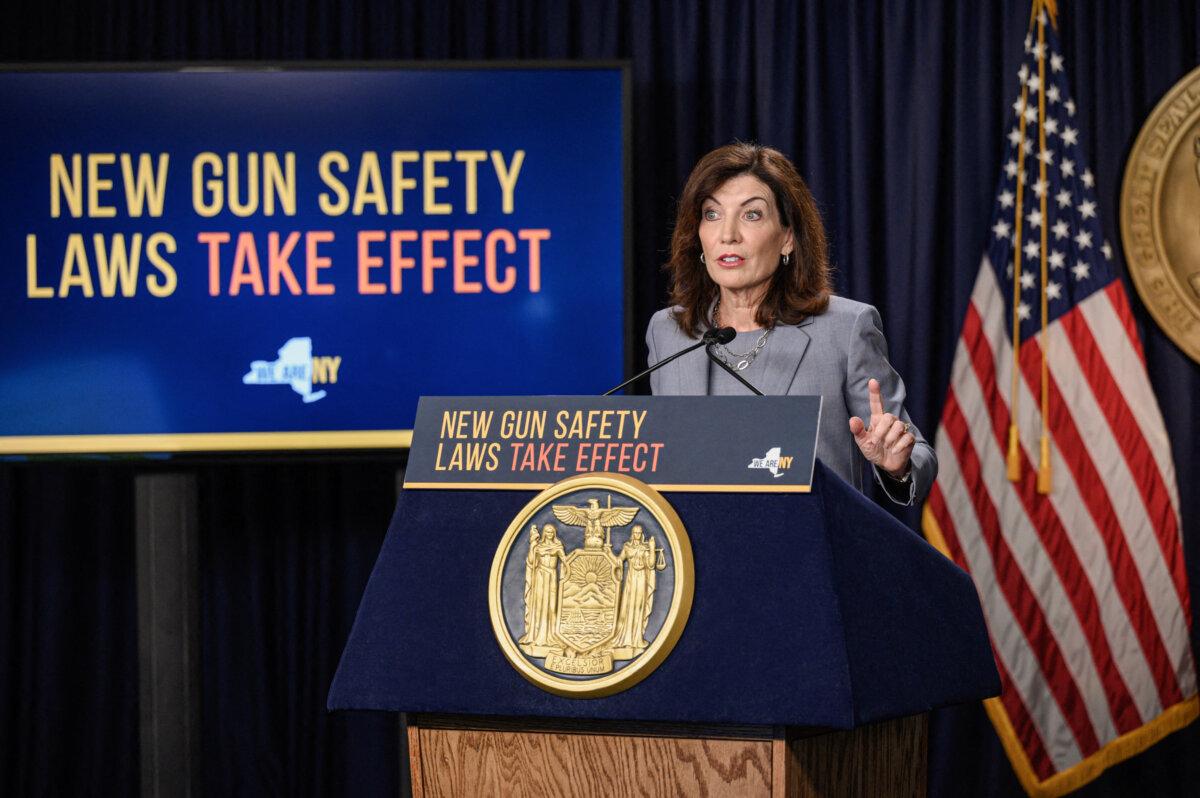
[591, 585]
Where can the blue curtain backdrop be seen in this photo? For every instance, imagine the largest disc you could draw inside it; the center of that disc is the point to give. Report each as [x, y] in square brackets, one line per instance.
[68, 632]
[895, 111]
[285, 553]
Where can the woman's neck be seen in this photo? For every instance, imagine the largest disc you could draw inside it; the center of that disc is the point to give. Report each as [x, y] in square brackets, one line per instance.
[738, 310]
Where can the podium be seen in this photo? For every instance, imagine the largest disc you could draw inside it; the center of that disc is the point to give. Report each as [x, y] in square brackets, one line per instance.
[821, 631]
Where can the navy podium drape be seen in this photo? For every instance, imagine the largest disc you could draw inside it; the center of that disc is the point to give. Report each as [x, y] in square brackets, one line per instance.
[895, 112]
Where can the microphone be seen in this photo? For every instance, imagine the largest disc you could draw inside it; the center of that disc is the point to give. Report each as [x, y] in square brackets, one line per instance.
[720, 335]
[717, 335]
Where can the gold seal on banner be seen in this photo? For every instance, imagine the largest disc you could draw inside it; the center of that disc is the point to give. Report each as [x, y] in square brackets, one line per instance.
[1160, 214]
[591, 585]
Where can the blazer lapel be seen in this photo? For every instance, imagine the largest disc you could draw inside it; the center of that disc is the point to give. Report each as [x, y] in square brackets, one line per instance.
[691, 373]
[784, 352]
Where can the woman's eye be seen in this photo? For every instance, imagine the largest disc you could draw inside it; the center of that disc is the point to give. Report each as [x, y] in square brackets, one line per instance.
[710, 215]
[753, 215]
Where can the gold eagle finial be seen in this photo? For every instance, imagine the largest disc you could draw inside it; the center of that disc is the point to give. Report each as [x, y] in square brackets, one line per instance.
[594, 519]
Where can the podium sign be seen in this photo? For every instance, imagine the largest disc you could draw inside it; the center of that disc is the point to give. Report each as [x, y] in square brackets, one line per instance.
[753, 444]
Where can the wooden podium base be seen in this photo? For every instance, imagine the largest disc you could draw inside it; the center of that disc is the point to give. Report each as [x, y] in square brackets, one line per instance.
[453, 755]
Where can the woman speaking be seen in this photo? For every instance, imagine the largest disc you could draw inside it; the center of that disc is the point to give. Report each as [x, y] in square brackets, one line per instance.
[749, 252]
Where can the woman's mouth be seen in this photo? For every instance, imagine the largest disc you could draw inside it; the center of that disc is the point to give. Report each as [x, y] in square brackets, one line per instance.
[730, 259]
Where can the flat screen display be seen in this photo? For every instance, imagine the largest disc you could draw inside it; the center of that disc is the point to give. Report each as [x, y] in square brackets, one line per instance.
[232, 259]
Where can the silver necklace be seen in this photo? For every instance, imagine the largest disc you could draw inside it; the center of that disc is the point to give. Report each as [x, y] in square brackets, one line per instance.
[745, 358]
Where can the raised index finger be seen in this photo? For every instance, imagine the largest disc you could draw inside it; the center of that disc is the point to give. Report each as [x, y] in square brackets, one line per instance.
[875, 397]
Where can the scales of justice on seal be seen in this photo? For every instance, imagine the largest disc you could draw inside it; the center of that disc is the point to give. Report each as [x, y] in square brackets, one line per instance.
[585, 608]
[545, 631]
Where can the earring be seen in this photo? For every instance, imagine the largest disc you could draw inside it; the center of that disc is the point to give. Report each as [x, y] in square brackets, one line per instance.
[786, 257]
[702, 257]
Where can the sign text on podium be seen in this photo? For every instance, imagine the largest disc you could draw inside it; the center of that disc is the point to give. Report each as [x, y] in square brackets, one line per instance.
[701, 443]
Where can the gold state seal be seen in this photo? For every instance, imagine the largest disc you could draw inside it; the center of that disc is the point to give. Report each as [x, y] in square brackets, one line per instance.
[1160, 214]
[591, 585]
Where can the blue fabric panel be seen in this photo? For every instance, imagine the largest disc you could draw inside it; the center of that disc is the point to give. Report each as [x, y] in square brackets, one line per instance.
[914, 627]
[766, 642]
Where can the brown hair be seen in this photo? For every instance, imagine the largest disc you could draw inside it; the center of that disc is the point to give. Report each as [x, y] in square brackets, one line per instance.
[801, 288]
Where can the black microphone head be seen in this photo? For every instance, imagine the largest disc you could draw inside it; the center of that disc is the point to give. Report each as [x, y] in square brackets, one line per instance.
[720, 335]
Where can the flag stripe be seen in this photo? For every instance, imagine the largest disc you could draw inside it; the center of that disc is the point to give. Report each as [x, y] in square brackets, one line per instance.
[1107, 322]
[1096, 535]
[1057, 542]
[1018, 716]
[1147, 478]
[1108, 474]
[1026, 609]
[1009, 646]
[1120, 304]
[1135, 386]
[937, 505]
[1059, 588]
[1036, 524]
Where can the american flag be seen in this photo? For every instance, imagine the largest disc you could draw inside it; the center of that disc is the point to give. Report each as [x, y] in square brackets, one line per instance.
[1056, 490]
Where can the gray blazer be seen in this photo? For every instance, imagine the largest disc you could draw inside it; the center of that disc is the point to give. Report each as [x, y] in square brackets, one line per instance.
[831, 355]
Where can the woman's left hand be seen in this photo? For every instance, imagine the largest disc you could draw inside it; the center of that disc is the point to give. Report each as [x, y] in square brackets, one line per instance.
[885, 441]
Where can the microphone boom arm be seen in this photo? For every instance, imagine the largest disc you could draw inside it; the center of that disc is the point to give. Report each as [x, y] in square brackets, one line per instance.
[717, 335]
[732, 372]
[657, 365]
